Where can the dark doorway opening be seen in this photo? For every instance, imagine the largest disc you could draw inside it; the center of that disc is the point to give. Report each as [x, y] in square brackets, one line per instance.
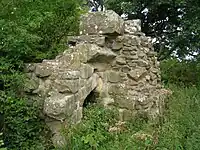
[90, 99]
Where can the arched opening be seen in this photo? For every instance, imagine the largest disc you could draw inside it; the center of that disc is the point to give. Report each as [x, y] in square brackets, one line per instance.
[90, 99]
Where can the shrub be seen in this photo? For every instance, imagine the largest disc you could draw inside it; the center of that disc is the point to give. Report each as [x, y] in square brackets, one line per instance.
[93, 132]
[23, 128]
[31, 30]
[185, 73]
[1, 142]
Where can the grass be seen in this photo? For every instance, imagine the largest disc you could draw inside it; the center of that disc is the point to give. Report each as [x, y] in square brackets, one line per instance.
[180, 129]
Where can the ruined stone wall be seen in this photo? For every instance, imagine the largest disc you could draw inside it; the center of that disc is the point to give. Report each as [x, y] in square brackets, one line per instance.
[111, 57]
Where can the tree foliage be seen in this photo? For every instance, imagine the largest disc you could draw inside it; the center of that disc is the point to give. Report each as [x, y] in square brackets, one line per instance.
[174, 23]
[97, 4]
[30, 31]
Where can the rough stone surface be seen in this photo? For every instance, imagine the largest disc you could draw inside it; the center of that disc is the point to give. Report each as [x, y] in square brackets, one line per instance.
[113, 60]
[107, 22]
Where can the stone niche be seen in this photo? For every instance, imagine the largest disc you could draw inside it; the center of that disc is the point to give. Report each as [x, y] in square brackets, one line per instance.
[111, 57]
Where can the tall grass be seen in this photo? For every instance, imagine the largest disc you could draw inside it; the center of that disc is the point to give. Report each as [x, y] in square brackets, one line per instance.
[181, 129]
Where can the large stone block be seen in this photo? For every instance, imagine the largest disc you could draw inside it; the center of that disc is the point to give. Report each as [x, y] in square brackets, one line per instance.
[42, 71]
[67, 86]
[113, 76]
[86, 71]
[93, 53]
[89, 86]
[69, 75]
[59, 106]
[137, 73]
[107, 22]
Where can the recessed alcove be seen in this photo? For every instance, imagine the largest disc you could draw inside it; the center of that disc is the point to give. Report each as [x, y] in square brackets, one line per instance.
[90, 99]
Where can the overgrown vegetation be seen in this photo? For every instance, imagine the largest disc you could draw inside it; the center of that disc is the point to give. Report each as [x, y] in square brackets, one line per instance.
[180, 129]
[182, 73]
[31, 30]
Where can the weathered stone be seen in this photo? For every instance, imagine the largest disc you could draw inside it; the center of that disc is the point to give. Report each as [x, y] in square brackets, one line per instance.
[137, 73]
[125, 102]
[120, 61]
[132, 64]
[148, 77]
[142, 63]
[59, 106]
[141, 54]
[117, 46]
[132, 26]
[94, 53]
[30, 85]
[99, 85]
[151, 54]
[125, 114]
[90, 85]
[113, 76]
[100, 41]
[154, 70]
[29, 68]
[107, 101]
[130, 40]
[67, 86]
[132, 82]
[86, 71]
[42, 71]
[134, 57]
[69, 75]
[107, 22]
[125, 69]
[116, 88]
[100, 54]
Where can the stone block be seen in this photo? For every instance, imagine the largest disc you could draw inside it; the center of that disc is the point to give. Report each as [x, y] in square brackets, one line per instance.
[137, 73]
[120, 61]
[42, 71]
[59, 106]
[107, 22]
[124, 101]
[86, 71]
[113, 76]
[117, 46]
[69, 75]
[126, 115]
[66, 86]
[132, 26]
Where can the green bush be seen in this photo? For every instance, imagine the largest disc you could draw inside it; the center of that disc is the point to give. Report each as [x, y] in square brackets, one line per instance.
[31, 30]
[93, 132]
[1, 142]
[34, 30]
[23, 128]
[181, 73]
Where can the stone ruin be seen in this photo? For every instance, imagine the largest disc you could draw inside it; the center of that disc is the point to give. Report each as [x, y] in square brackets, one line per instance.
[111, 58]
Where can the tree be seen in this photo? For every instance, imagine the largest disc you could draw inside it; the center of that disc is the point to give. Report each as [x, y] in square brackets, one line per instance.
[96, 4]
[175, 24]
[30, 31]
